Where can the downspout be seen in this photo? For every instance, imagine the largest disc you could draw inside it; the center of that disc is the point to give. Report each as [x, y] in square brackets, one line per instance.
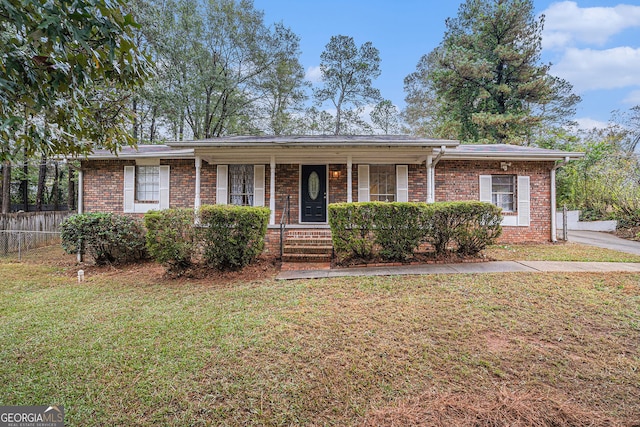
[554, 226]
[431, 174]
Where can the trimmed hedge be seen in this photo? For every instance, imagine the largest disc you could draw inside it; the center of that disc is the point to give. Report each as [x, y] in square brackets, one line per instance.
[395, 230]
[171, 237]
[233, 236]
[351, 229]
[106, 237]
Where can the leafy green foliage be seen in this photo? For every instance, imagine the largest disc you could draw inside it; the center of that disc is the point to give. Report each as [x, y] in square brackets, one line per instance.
[396, 230]
[484, 82]
[399, 228]
[479, 228]
[352, 229]
[232, 236]
[106, 237]
[171, 237]
[66, 69]
[347, 75]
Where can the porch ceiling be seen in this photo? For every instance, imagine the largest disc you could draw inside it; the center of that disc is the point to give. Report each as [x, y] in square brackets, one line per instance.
[309, 155]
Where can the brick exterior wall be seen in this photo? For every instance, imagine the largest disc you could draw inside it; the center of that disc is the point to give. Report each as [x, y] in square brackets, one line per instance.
[459, 180]
[455, 180]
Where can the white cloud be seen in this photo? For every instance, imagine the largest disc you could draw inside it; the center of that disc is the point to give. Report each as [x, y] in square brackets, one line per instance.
[313, 74]
[633, 98]
[566, 23]
[587, 123]
[589, 69]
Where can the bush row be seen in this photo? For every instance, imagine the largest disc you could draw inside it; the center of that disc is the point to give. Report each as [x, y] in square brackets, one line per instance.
[223, 237]
[396, 230]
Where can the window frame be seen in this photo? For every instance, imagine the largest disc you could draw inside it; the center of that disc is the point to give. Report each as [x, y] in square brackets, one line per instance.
[497, 195]
[141, 172]
[374, 180]
[249, 182]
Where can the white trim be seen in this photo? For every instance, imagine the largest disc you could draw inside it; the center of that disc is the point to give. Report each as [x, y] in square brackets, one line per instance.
[485, 188]
[129, 201]
[222, 184]
[349, 179]
[164, 183]
[197, 202]
[80, 192]
[272, 190]
[524, 201]
[363, 183]
[258, 185]
[402, 183]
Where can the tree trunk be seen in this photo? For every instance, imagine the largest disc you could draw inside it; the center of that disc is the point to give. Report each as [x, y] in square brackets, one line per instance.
[55, 192]
[24, 184]
[42, 176]
[6, 187]
[136, 124]
[71, 189]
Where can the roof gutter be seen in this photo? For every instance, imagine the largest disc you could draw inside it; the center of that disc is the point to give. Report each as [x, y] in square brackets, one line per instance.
[554, 226]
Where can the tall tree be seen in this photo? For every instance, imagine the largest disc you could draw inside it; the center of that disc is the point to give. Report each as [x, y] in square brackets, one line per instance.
[347, 76]
[67, 69]
[385, 117]
[220, 69]
[486, 78]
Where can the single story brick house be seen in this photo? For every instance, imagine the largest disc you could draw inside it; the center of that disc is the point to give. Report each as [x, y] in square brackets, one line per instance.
[306, 173]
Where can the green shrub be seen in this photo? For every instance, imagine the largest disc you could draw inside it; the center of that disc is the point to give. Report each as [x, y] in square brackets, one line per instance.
[232, 236]
[106, 237]
[442, 220]
[399, 228]
[352, 229]
[171, 237]
[480, 227]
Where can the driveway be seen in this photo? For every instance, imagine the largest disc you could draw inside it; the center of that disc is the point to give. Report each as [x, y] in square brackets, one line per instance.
[605, 240]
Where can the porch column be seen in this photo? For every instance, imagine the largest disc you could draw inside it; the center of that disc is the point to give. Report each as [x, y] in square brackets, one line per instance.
[80, 192]
[197, 202]
[349, 179]
[429, 179]
[272, 191]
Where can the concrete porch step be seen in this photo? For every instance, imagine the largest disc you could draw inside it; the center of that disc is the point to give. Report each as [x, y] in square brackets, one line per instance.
[311, 258]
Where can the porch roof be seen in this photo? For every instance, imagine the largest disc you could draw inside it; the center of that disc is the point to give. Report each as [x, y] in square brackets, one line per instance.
[508, 152]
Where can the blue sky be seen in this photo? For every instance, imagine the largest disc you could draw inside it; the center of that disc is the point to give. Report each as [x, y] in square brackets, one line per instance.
[594, 44]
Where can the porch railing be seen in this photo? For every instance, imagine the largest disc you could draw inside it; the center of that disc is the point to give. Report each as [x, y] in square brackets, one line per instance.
[284, 220]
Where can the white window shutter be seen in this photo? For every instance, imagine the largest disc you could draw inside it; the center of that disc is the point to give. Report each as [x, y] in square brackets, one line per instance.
[129, 188]
[402, 183]
[485, 188]
[524, 201]
[258, 185]
[363, 183]
[222, 192]
[164, 187]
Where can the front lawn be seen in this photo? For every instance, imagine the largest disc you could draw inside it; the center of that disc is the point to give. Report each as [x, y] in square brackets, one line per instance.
[127, 347]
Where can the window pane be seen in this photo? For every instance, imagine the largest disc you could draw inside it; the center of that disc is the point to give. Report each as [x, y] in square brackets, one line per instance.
[382, 185]
[148, 183]
[503, 192]
[241, 185]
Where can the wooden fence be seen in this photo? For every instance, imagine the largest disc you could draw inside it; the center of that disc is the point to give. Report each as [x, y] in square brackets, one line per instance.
[27, 230]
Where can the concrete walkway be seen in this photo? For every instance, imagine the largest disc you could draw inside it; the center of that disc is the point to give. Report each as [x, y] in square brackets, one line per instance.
[467, 268]
[593, 238]
[605, 240]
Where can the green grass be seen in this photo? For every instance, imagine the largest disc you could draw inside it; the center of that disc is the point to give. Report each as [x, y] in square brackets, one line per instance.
[557, 252]
[130, 348]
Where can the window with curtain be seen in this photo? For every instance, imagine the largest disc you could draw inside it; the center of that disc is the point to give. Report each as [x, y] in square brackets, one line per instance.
[147, 183]
[503, 190]
[382, 183]
[241, 185]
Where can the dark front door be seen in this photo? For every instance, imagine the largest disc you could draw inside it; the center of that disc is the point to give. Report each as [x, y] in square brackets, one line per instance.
[314, 193]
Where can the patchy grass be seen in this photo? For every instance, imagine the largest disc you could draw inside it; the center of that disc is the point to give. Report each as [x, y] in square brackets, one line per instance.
[127, 347]
[557, 252]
